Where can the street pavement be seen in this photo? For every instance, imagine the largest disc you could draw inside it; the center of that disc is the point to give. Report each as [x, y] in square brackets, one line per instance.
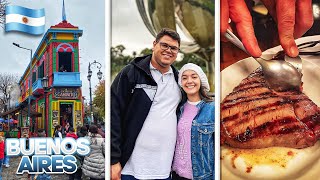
[10, 172]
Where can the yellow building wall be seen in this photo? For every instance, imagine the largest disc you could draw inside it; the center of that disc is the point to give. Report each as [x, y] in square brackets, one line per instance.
[64, 36]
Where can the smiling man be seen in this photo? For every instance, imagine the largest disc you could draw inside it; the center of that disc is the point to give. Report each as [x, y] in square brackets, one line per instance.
[144, 99]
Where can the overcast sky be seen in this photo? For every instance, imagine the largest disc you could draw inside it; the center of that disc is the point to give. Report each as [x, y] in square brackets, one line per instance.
[89, 16]
[128, 28]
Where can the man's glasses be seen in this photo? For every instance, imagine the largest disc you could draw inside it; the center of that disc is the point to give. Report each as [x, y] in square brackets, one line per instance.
[165, 46]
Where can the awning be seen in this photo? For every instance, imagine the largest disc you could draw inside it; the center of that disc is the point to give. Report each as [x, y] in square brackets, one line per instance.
[12, 111]
[17, 109]
[32, 113]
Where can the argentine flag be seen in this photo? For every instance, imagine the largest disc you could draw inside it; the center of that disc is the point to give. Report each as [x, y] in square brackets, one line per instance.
[26, 20]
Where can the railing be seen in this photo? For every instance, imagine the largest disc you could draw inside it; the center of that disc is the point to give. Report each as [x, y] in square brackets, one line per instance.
[36, 85]
[66, 79]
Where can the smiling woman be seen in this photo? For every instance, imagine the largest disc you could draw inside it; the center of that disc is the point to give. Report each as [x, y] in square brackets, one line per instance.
[195, 127]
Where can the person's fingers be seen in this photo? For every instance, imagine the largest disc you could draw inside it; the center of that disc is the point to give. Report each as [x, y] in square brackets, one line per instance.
[240, 15]
[304, 17]
[286, 21]
[224, 16]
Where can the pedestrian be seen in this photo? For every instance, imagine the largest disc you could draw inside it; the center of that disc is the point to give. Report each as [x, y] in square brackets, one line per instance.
[2, 149]
[144, 98]
[66, 128]
[57, 131]
[83, 131]
[87, 125]
[6, 158]
[19, 132]
[195, 136]
[100, 131]
[93, 164]
[103, 127]
[41, 133]
[44, 176]
[71, 133]
[77, 174]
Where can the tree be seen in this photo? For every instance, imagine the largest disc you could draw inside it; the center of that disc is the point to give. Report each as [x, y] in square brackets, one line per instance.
[145, 51]
[118, 59]
[190, 58]
[3, 4]
[8, 86]
[99, 99]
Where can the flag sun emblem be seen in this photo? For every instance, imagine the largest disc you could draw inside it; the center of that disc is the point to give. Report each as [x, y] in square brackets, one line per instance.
[25, 20]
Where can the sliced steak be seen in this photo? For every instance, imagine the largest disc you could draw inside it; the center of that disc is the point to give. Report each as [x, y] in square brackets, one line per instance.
[254, 116]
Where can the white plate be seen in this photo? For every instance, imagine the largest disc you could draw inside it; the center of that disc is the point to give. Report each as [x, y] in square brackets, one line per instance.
[305, 164]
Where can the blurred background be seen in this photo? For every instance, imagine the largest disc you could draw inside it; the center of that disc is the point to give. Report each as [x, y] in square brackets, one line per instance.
[135, 24]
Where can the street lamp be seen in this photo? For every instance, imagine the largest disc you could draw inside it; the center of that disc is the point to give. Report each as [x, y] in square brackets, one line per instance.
[8, 114]
[99, 74]
[44, 83]
[30, 85]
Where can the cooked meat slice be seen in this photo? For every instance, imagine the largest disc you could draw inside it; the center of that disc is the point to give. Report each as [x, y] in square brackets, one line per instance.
[254, 116]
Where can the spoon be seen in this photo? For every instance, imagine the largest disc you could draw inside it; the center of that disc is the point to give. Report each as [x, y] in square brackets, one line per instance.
[279, 74]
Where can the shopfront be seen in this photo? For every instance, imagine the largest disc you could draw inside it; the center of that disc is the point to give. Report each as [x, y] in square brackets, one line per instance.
[66, 107]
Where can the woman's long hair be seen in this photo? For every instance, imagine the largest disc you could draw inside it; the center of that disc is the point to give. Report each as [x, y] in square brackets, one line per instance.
[204, 95]
[56, 128]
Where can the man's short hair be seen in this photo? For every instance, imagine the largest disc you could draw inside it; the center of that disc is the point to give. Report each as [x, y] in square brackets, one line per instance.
[169, 32]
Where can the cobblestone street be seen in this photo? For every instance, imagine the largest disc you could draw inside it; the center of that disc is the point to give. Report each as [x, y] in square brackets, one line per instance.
[10, 172]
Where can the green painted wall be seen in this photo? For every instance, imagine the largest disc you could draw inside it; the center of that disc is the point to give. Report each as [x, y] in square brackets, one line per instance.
[50, 132]
[54, 60]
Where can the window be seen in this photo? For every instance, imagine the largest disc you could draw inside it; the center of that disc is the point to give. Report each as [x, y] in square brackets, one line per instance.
[34, 77]
[41, 71]
[65, 61]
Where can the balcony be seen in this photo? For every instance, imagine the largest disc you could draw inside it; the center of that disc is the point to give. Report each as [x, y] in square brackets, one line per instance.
[66, 79]
[36, 86]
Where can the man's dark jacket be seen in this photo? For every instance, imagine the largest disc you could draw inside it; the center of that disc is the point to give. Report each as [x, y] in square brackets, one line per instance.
[130, 106]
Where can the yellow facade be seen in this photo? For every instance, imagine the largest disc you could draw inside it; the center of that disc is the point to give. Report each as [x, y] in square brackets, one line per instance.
[55, 111]
[64, 36]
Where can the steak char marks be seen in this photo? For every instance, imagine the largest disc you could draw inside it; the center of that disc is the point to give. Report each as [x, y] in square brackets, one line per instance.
[254, 116]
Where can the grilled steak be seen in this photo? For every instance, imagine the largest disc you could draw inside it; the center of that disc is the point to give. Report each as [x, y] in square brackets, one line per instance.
[254, 116]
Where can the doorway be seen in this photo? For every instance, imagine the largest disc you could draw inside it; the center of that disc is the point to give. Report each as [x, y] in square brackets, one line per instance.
[66, 114]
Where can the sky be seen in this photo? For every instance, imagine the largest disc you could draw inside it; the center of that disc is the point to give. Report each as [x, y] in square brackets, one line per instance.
[89, 16]
[127, 27]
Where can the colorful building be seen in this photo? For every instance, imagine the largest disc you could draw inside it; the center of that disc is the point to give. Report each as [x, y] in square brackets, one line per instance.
[57, 59]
